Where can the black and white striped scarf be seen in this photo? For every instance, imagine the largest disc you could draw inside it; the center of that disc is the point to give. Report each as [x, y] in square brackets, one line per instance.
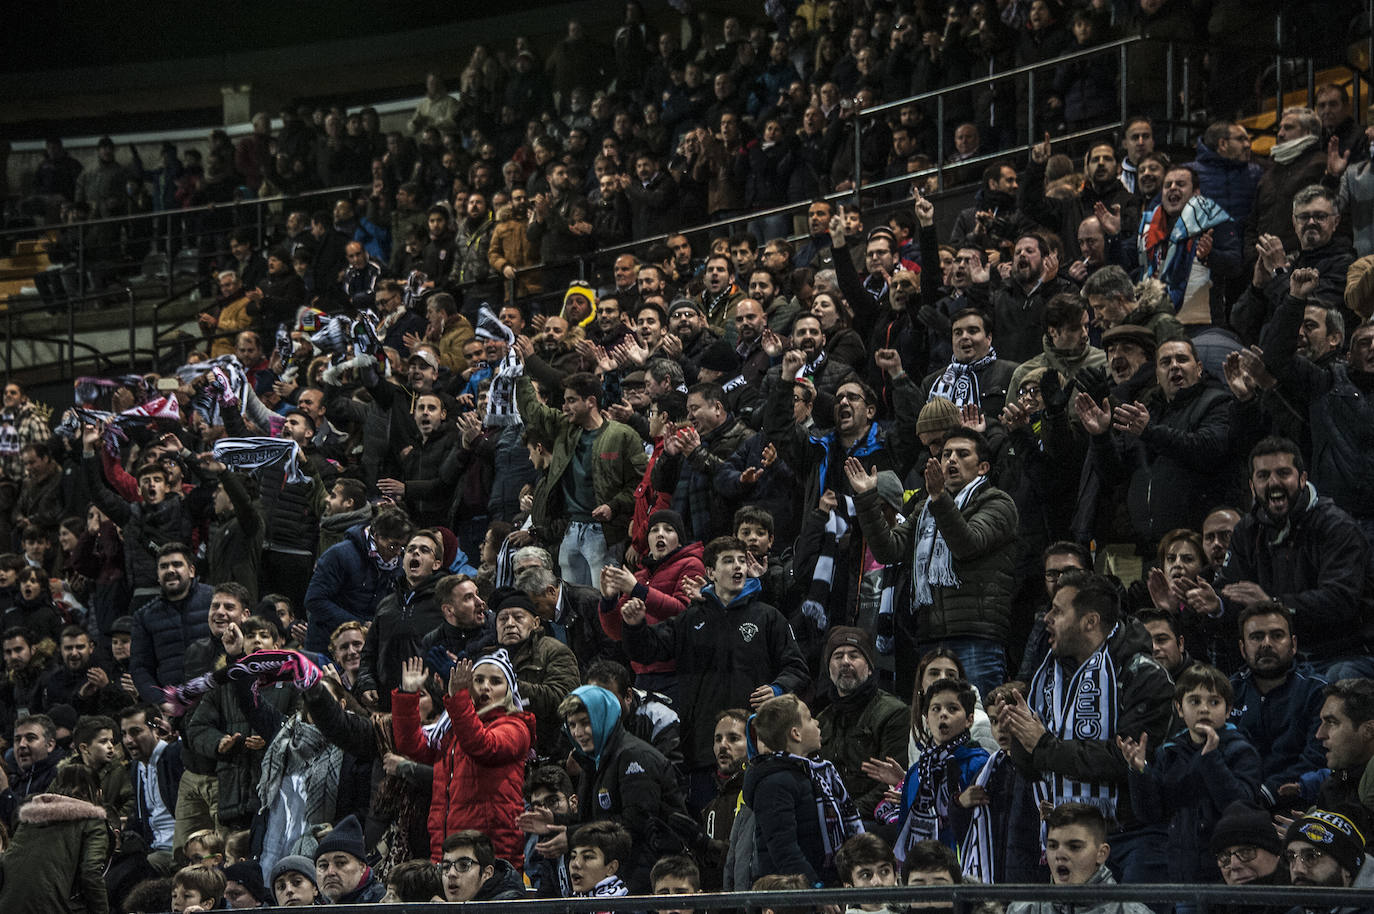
[252, 453]
[932, 563]
[978, 849]
[958, 383]
[501, 409]
[1081, 706]
[837, 523]
[838, 816]
[930, 806]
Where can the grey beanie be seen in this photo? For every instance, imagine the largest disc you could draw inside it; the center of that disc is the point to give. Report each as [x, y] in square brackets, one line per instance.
[293, 863]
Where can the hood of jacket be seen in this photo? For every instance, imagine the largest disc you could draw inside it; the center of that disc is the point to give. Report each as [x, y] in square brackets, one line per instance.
[1152, 297]
[505, 883]
[680, 554]
[46, 808]
[751, 587]
[603, 709]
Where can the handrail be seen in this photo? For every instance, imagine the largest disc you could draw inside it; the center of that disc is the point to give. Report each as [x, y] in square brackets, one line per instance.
[1004, 74]
[187, 211]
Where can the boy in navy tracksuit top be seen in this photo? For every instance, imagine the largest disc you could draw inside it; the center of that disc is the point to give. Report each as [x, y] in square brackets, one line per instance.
[1196, 774]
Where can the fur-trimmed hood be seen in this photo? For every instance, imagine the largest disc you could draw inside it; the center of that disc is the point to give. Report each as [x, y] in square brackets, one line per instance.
[43, 652]
[1152, 297]
[47, 808]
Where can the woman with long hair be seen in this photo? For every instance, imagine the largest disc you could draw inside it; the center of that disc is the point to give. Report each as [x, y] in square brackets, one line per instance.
[842, 341]
[60, 849]
[478, 748]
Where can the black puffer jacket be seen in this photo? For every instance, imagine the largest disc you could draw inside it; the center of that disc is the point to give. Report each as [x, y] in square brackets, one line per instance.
[1177, 467]
[162, 632]
[430, 471]
[218, 715]
[1318, 566]
[145, 527]
[395, 635]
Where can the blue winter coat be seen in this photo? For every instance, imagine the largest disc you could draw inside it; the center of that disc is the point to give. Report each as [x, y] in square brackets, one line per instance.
[1233, 185]
[969, 759]
[346, 586]
[1190, 790]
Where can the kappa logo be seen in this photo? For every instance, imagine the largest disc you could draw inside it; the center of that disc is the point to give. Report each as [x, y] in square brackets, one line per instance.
[748, 630]
[634, 768]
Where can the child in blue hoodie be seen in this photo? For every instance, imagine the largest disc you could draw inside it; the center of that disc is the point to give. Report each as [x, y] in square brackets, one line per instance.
[626, 780]
[1196, 774]
[933, 784]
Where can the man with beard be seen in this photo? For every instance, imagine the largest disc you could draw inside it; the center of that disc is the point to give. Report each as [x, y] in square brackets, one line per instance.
[553, 358]
[650, 280]
[1065, 347]
[80, 680]
[779, 309]
[1150, 178]
[510, 248]
[1100, 185]
[812, 363]
[1096, 248]
[816, 252]
[653, 198]
[1277, 702]
[468, 626]
[1302, 551]
[718, 816]
[1346, 732]
[1190, 244]
[1326, 847]
[690, 335]
[1112, 296]
[166, 626]
[993, 219]
[156, 772]
[471, 270]
[683, 266]
[975, 376]
[863, 722]
[1217, 528]
[750, 323]
[1335, 392]
[1225, 169]
[719, 294]
[428, 470]
[1018, 302]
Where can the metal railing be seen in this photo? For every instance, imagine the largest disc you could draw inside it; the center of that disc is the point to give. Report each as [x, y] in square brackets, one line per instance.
[962, 898]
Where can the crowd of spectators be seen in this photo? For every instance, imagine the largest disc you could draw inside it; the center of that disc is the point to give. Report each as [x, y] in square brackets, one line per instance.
[1033, 551]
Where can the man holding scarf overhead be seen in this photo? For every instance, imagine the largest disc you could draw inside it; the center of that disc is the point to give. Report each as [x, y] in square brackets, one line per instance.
[959, 549]
[1189, 243]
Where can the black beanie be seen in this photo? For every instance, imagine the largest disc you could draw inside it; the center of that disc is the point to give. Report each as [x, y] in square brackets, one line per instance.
[1244, 823]
[248, 875]
[347, 836]
[672, 519]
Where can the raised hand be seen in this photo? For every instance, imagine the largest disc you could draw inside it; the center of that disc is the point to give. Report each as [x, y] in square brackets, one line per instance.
[1160, 592]
[1015, 416]
[1109, 219]
[1237, 378]
[837, 238]
[1252, 360]
[1040, 152]
[1204, 245]
[1049, 267]
[934, 478]
[828, 502]
[1210, 740]
[691, 587]
[1303, 282]
[861, 479]
[1336, 161]
[1096, 419]
[925, 210]
[971, 416]
[770, 454]
[888, 360]
[632, 611]
[1131, 418]
[887, 771]
[792, 361]
[772, 343]
[1133, 750]
[412, 675]
[460, 677]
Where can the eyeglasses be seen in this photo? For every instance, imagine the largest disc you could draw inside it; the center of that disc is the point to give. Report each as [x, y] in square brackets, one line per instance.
[1054, 574]
[1240, 854]
[1307, 856]
[1312, 217]
[1028, 391]
[851, 397]
[462, 864]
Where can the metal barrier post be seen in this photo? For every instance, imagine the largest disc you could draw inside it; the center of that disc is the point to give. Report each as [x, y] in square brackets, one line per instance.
[80, 262]
[858, 150]
[1278, 67]
[1122, 82]
[133, 330]
[940, 142]
[1187, 100]
[1030, 108]
[1311, 83]
[1169, 82]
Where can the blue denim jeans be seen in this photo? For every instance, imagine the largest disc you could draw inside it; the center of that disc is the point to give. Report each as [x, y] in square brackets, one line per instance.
[984, 660]
[582, 554]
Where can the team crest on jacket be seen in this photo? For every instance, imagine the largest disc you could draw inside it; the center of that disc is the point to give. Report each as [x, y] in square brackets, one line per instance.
[748, 630]
[603, 796]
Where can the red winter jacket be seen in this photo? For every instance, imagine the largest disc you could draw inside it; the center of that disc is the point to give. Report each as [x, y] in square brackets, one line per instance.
[479, 770]
[660, 587]
[647, 501]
